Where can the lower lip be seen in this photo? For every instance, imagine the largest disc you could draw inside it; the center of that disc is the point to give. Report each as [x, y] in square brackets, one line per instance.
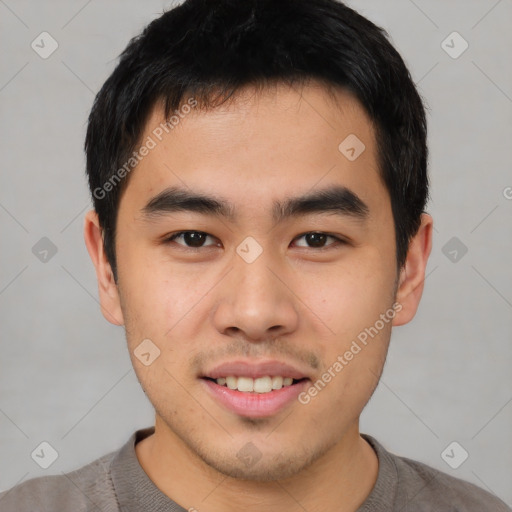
[255, 405]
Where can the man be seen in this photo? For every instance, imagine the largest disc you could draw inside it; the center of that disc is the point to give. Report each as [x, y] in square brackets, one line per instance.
[259, 176]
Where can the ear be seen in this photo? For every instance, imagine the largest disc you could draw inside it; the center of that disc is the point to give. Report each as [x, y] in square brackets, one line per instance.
[412, 274]
[107, 287]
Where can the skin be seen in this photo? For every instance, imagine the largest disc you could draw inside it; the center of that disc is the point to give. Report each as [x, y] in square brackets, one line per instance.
[294, 303]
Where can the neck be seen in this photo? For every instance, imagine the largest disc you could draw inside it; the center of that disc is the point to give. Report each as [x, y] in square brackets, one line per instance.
[340, 480]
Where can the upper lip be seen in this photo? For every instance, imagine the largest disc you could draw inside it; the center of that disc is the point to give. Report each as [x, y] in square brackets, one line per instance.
[254, 370]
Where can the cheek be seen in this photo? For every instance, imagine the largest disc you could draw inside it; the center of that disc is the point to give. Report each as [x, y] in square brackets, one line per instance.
[350, 295]
[162, 303]
[351, 306]
[353, 365]
[152, 295]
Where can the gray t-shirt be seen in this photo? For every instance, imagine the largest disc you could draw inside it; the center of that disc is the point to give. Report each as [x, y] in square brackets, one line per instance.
[116, 482]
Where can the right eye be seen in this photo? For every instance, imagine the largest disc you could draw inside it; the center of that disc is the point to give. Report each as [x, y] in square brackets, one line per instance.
[191, 239]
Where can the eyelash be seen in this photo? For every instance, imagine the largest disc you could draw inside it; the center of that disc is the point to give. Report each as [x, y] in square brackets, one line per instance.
[338, 241]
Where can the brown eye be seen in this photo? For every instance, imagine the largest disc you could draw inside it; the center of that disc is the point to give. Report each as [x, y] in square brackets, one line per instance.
[317, 240]
[191, 239]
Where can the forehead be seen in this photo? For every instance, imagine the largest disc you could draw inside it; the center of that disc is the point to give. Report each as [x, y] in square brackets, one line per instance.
[275, 140]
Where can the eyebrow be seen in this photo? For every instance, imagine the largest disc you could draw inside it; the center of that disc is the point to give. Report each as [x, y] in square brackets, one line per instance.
[338, 200]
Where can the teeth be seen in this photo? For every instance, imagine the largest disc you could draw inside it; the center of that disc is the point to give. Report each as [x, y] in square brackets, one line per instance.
[259, 385]
[231, 382]
[277, 382]
[245, 384]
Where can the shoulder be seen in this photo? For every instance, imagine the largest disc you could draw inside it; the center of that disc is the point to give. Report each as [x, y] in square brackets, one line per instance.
[85, 489]
[430, 485]
[422, 488]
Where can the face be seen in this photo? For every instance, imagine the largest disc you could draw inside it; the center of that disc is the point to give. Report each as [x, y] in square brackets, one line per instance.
[261, 284]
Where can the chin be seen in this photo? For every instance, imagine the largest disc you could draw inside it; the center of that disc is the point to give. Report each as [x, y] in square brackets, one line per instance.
[250, 464]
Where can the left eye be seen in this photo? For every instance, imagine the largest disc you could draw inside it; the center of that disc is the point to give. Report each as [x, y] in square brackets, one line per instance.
[196, 239]
[318, 239]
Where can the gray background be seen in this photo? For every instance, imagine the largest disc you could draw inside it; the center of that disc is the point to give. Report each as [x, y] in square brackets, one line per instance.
[65, 374]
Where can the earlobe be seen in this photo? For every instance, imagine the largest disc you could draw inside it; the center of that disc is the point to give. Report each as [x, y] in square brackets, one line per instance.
[107, 287]
[412, 275]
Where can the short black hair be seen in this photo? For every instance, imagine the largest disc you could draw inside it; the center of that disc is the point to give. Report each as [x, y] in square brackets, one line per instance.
[210, 49]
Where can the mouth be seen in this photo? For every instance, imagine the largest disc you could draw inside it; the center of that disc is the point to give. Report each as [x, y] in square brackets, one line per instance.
[254, 404]
[254, 390]
[260, 385]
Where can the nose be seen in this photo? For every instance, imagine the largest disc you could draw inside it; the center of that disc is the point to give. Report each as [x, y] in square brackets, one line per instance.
[256, 301]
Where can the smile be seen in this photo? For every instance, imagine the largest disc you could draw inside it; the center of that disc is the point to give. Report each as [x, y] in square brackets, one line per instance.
[264, 384]
[252, 397]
